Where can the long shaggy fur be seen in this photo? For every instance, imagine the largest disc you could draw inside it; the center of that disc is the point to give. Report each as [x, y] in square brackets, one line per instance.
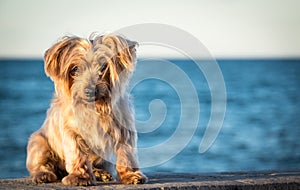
[90, 117]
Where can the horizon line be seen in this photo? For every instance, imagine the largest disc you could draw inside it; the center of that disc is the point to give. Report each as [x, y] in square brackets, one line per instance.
[12, 58]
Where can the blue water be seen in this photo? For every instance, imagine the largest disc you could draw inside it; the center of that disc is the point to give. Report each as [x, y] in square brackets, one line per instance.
[261, 129]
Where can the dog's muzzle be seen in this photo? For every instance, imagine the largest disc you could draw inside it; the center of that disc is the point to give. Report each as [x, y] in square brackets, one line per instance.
[90, 93]
[96, 93]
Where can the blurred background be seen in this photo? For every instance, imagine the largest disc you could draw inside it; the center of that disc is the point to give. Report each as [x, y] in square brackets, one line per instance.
[255, 43]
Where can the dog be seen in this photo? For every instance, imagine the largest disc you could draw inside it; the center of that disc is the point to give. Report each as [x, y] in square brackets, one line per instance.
[90, 118]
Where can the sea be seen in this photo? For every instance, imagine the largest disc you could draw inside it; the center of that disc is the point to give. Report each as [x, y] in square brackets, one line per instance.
[254, 126]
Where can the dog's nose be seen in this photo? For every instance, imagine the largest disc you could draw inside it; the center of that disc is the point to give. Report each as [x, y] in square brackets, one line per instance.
[89, 92]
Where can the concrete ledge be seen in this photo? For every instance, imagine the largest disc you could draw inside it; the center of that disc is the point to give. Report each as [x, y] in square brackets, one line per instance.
[234, 180]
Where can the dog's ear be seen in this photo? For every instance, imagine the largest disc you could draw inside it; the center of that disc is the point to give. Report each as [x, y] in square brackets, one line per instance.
[131, 44]
[53, 58]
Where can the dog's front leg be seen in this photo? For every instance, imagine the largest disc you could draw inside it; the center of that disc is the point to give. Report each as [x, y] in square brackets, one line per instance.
[127, 167]
[76, 160]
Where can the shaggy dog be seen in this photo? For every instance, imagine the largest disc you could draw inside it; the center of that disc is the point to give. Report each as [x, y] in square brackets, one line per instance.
[90, 117]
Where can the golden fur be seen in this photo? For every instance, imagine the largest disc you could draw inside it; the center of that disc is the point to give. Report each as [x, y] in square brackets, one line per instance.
[90, 116]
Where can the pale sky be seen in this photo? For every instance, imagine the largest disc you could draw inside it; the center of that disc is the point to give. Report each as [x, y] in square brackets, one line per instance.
[228, 28]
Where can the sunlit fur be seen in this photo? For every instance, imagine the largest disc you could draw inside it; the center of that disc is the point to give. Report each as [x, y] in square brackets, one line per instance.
[90, 117]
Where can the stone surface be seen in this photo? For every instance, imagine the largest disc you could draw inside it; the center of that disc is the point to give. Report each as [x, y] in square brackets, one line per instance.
[234, 180]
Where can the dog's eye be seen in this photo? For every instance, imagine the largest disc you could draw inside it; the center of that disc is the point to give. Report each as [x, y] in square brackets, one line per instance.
[103, 67]
[73, 71]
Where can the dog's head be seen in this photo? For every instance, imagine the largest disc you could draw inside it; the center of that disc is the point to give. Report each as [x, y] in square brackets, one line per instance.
[94, 70]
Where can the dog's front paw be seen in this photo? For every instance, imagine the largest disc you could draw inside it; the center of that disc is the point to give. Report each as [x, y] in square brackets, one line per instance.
[133, 178]
[44, 177]
[78, 180]
[102, 175]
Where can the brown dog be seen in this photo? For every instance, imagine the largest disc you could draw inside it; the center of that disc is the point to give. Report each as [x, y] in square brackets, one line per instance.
[90, 116]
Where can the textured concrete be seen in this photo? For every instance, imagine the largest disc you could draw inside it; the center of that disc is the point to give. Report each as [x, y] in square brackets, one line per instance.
[235, 180]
